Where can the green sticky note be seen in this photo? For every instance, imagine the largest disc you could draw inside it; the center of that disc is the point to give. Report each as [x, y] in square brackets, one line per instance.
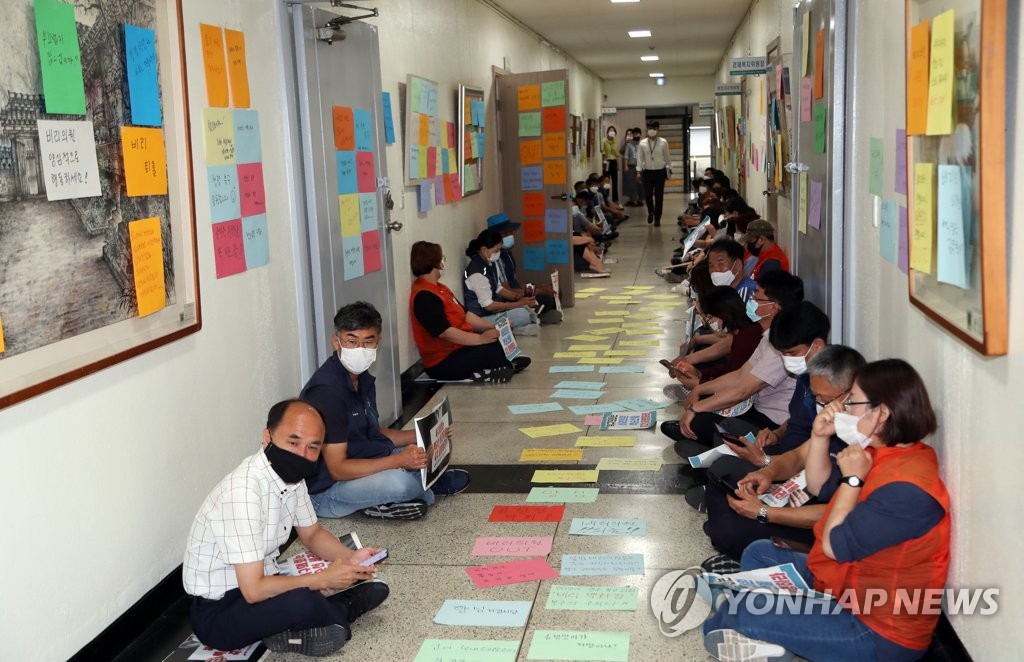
[415, 88]
[577, 645]
[552, 94]
[467, 650]
[820, 114]
[60, 60]
[592, 598]
[877, 166]
[529, 124]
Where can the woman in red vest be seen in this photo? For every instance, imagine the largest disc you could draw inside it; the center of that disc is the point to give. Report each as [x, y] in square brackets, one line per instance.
[454, 344]
[881, 548]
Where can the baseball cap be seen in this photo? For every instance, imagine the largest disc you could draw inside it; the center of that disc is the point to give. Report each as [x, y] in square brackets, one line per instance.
[759, 228]
[502, 223]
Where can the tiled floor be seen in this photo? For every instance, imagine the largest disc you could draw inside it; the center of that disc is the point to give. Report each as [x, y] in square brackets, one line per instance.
[428, 557]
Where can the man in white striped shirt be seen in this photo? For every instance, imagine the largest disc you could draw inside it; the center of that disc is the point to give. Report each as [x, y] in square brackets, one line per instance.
[653, 167]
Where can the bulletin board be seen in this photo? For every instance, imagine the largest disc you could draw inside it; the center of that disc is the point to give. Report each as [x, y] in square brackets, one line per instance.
[97, 227]
[956, 106]
[473, 120]
[431, 150]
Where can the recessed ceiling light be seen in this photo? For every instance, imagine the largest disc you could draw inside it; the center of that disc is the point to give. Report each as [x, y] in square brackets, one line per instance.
[656, 75]
[639, 33]
[649, 58]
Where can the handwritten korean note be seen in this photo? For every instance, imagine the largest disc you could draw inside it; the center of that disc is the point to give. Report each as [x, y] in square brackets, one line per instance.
[565, 476]
[615, 565]
[572, 645]
[529, 97]
[917, 80]
[887, 227]
[550, 430]
[922, 241]
[343, 123]
[562, 495]
[576, 394]
[511, 572]
[951, 253]
[218, 136]
[467, 650]
[552, 93]
[484, 613]
[148, 265]
[940, 76]
[526, 514]
[256, 241]
[238, 70]
[803, 206]
[247, 136]
[60, 59]
[67, 149]
[529, 125]
[228, 248]
[250, 189]
[512, 546]
[570, 368]
[214, 65]
[629, 464]
[222, 187]
[145, 161]
[141, 71]
[589, 526]
[592, 598]
[551, 455]
[876, 167]
[538, 408]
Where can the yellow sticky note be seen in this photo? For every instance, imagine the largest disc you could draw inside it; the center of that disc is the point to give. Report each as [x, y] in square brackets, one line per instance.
[1, 336]
[592, 290]
[639, 288]
[218, 136]
[584, 295]
[584, 348]
[238, 72]
[803, 203]
[917, 80]
[625, 352]
[550, 454]
[606, 442]
[921, 236]
[422, 161]
[584, 337]
[212, 38]
[349, 206]
[605, 320]
[148, 264]
[550, 430]
[610, 313]
[145, 161]
[565, 476]
[628, 464]
[940, 76]
[573, 355]
[639, 343]
[600, 361]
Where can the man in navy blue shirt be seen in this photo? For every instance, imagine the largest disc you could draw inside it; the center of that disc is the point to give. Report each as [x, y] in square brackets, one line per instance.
[364, 466]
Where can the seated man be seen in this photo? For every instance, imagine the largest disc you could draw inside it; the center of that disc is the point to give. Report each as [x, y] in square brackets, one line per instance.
[506, 268]
[585, 235]
[229, 568]
[765, 254]
[365, 466]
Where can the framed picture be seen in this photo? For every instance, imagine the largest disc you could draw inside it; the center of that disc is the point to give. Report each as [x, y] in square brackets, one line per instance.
[956, 123]
[472, 120]
[97, 227]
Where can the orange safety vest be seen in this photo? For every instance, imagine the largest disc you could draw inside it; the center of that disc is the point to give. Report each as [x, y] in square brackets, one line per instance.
[773, 253]
[434, 350]
[917, 565]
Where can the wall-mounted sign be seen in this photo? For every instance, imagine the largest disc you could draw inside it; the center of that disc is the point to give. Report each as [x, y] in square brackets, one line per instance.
[727, 89]
[611, 110]
[744, 66]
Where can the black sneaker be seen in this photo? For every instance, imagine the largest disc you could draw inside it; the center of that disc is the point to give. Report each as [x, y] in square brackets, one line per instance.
[494, 375]
[520, 363]
[315, 642]
[551, 317]
[695, 498]
[405, 510]
[722, 564]
[451, 482]
[363, 598]
[671, 430]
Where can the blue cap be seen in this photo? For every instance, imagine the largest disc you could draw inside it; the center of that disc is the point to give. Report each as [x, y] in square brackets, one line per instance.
[502, 223]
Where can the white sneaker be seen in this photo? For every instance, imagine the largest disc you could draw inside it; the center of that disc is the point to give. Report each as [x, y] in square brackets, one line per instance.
[682, 288]
[528, 330]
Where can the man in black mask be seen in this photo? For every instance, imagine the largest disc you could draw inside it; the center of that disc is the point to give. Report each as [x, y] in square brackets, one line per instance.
[229, 566]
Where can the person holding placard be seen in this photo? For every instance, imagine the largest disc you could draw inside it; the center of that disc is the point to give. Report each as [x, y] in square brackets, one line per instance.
[483, 292]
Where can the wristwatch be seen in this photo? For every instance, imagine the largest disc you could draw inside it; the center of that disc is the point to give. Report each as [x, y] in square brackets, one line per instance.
[767, 459]
[762, 515]
[852, 481]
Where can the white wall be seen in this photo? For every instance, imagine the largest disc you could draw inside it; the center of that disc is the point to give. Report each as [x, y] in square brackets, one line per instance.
[644, 93]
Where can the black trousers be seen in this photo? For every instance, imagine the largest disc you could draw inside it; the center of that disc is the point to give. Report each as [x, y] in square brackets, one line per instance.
[612, 170]
[231, 622]
[463, 362]
[654, 191]
[703, 424]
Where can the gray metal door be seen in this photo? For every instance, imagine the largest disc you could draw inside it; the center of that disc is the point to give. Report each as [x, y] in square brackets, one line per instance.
[343, 73]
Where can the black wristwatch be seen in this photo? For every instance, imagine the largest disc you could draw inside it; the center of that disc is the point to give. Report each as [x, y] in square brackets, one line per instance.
[762, 515]
[852, 481]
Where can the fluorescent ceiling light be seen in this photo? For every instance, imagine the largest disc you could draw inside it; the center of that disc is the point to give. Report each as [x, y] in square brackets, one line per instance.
[657, 75]
[649, 58]
[639, 33]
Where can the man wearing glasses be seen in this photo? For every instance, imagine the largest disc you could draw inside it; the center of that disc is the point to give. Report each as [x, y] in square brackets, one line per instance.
[364, 466]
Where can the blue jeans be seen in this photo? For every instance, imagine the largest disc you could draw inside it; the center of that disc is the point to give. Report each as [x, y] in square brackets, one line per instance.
[517, 317]
[806, 632]
[345, 497]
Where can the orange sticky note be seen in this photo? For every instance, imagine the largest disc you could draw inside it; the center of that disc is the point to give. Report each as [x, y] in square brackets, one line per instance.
[554, 172]
[1, 336]
[529, 97]
[554, 145]
[344, 129]
[148, 265]
[819, 65]
[424, 137]
[145, 161]
[238, 72]
[917, 80]
[553, 119]
[449, 192]
[529, 152]
[213, 63]
[533, 203]
[533, 230]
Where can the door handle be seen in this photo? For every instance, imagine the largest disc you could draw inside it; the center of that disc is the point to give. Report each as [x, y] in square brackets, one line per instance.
[794, 167]
[393, 226]
[560, 197]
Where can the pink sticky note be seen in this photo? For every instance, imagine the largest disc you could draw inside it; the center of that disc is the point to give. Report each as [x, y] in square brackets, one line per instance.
[456, 186]
[439, 192]
[593, 419]
[512, 546]
[902, 252]
[814, 213]
[371, 251]
[806, 90]
[431, 162]
[527, 513]
[228, 248]
[365, 177]
[250, 189]
[512, 572]
[451, 134]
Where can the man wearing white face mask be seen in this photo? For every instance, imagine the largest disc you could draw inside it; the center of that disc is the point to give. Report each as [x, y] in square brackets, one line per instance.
[653, 167]
[365, 466]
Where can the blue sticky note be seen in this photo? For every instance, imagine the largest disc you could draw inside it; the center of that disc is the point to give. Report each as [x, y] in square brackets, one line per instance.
[532, 178]
[590, 386]
[141, 67]
[424, 196]
[367, 212]
[255, 241]
[540, 408]
[642, 404]
[584, 410]
[571, 368]
[222, 182]
[533, 258]
[481, 140]
[589, 526]
[389, 122]
[556, 220]
[629, 367]
[576, 394]
[951, 249]
[247, 136]
[607, 565]
[484, 613]
[481, 114]
[430, 96]
[557, 251]
[347, 179]
[362, 119]
[887, 227]
[445, 166]
[352, 260]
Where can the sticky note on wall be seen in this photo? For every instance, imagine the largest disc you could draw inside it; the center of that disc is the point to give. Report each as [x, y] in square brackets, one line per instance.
[214, 65]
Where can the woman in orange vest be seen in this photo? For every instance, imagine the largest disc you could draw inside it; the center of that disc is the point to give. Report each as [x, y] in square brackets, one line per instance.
[881, 548]
[454, 344]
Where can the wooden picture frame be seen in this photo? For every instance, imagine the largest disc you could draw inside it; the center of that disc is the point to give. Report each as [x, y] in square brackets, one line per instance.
[85, 315]
[956, 220]
[470, 129]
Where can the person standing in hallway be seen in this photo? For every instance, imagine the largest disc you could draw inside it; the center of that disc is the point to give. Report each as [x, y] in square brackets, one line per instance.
[630, 188]
[610, 152]
[653, 168]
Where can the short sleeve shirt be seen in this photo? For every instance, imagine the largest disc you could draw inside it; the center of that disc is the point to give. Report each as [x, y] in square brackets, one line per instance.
[766, 364]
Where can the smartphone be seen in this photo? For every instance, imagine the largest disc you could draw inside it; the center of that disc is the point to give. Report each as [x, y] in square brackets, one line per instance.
[723, 483]
[732, 438]
[530, 290]
[376, 558]
[672, 370]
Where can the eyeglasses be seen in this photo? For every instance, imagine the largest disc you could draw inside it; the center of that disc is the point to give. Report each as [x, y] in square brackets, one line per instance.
[763, 300]
[353, 343]
[825, 404]
[847, 403]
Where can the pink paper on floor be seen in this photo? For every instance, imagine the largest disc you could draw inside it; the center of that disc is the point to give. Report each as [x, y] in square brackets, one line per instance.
[512, 572]
[593, 419]
[512, 546]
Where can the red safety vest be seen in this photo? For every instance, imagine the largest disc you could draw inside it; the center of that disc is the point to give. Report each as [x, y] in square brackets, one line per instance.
[914, 565]
[773, 253]
[433, 350]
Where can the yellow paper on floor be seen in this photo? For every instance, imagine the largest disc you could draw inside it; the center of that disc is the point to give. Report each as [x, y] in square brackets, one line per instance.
[591, 290]
[607, 331]
[550, 430]
[583, 295]
[565, 476]
[611, 313]
[639, 288]
[663, 297]
[626, 352]
[573, 355]
[605, 442]
[605, 320]
[599, 361]
[639, 325]
[616, 297]
[550, 454]
[584, 337]
[639, 343]
[643, 316]
[661, 306]
[645, 332]
[584, 348]
[628, 464]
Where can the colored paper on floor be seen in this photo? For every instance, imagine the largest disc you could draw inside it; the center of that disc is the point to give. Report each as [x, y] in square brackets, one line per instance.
[214, 65]
[569, 645]
[606, 331]
[629, 464]
[941, 76]
[526, 514]
[60, 59]
[584, 337]
[539, 408]
[512, 546]
[590, 386]
[592, 526]
[562, 495]
[606, 442]
[511, 572]
[626, 352]
[642, 404]
[583, 295]
[141, 71]
[643, 316]
[639, 288]
[592, 290]
[600, 361]
[551, 455]
[570, 368]
[461, 650]
[148, 266]
[582, 410]
[592, 598]
[621, 369]
[484, 613]
[604, 565]
[573, 355]
[645, 332]
[593, 419]
[565, 476]
[639, 343]
[145, 161]
[549, 430]
[605, 320]
[584, 348]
